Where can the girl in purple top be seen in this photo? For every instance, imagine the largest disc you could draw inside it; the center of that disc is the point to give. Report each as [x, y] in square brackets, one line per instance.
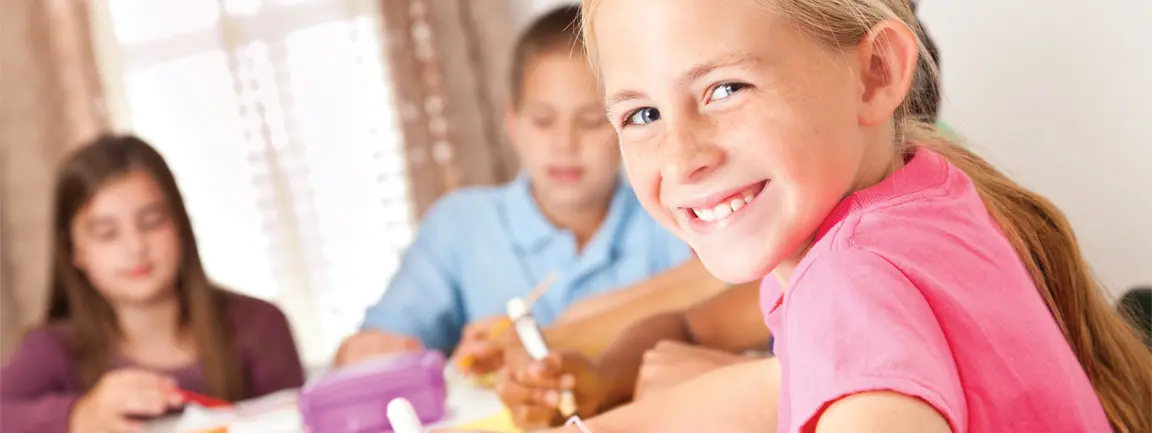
[132, 318]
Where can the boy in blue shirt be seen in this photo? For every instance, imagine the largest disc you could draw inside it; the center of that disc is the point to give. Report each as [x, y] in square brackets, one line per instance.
[570, 213]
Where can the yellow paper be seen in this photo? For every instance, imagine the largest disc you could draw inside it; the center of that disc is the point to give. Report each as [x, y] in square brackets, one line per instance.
[499, 423]
[487, 381]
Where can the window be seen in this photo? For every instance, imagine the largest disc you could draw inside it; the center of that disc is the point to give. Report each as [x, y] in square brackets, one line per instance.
[277, 120]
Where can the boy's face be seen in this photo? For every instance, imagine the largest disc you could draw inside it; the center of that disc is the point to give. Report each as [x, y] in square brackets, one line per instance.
[561, 135]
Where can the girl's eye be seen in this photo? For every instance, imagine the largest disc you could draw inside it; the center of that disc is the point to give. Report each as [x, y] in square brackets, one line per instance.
[725, 90]
[643, 116]
[542, 122]
[153, 218]
[104, 234]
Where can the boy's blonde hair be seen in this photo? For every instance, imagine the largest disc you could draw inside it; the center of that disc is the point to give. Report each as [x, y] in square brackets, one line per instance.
[1117, 363]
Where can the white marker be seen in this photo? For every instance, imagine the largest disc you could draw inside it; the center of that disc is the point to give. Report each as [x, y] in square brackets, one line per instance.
[527, 329]
[402, 417]
[533, 340]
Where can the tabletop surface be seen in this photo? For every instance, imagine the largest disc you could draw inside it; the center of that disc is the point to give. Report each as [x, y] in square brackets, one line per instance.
[466, 403]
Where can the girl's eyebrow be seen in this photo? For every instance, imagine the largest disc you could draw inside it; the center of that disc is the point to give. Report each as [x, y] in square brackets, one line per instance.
[157, 205]
[692, 74]
[723, 61]
[622, 97]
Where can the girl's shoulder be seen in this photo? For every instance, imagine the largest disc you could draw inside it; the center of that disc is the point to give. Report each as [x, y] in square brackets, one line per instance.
[49, 343]
[260, 331]
[41, 364]
[54, 333]
[244, 310]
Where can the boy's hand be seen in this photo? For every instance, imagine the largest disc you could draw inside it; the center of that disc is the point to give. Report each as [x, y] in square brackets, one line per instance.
[531, 389]
[671, 363]
[369, 344]
[481, 349]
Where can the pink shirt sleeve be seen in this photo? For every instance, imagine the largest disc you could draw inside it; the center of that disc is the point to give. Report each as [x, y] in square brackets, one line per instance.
[854, 323]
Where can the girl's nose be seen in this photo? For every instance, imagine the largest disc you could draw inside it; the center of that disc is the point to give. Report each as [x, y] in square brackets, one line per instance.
[688, 157]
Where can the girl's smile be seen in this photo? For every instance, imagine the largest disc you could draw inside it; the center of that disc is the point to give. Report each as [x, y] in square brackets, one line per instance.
[720, 210]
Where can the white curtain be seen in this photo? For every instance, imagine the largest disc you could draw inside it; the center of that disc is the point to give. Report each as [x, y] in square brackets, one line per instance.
[277, 118]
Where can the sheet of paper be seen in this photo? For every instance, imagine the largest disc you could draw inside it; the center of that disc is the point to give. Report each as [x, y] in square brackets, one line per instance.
[467, 403]
[498, 423]
[469, 406]
[273, 413]
[196, 419]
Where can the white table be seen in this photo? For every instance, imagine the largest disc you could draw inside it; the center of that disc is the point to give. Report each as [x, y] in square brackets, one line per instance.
[466, 403]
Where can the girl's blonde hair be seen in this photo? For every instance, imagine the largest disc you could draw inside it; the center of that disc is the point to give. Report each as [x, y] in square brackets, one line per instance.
[1117, 363]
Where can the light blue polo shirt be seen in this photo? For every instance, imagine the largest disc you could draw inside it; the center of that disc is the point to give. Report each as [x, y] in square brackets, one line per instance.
[480, 246]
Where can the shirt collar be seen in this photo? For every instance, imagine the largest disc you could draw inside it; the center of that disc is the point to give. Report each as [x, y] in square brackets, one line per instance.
[531, 230]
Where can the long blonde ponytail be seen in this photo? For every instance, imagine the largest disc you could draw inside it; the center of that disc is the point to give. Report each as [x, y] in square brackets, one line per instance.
[1118, 364]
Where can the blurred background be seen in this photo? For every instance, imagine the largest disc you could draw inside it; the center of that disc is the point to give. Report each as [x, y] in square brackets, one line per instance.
[308, 136]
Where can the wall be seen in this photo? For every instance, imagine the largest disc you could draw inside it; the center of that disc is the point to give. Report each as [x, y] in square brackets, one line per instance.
[526, 10]
[1059, 94]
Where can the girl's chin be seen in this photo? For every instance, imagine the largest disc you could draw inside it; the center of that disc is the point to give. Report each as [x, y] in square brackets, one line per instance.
[143, 298]
[734, 267]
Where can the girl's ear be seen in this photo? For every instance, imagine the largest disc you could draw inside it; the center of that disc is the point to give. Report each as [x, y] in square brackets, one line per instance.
[887, 56]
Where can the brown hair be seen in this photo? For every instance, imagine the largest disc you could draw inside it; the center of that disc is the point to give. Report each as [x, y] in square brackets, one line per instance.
[924, 103]
[1117, 363]
[85, 316]
[557, 30]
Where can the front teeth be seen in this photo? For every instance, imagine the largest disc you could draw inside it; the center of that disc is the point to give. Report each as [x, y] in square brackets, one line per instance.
[722, 210]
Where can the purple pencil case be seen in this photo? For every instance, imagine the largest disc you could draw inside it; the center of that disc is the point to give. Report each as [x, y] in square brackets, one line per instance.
[355, 399]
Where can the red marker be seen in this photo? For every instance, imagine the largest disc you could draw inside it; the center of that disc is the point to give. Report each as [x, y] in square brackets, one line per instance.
[203, 400]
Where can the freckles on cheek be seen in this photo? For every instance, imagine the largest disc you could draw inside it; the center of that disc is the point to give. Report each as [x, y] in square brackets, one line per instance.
[644, 175]
[633, 162]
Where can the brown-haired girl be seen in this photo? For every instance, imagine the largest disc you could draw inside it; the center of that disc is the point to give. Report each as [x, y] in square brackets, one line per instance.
[132, 318]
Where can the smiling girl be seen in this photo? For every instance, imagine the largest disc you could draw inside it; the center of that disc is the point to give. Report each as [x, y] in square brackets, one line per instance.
[911, 286]
[132, 318]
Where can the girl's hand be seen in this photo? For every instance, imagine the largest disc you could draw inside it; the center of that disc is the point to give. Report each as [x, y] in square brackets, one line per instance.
[119, 397]
[671, 363]
[531, 389]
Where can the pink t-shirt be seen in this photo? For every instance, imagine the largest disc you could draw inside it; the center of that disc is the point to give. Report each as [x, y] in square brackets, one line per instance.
[911, 287]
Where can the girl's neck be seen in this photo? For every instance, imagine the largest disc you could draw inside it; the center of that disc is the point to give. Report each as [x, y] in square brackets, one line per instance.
[152, 321]
[151, 333]
[881, 159]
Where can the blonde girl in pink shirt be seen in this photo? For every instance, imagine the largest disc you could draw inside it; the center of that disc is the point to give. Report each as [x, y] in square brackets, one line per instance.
[911, 286]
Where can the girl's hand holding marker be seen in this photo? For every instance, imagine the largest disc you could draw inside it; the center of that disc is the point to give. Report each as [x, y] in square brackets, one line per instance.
[533, 340]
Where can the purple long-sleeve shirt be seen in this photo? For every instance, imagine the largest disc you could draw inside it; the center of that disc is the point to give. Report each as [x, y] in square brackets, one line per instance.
[39, 385]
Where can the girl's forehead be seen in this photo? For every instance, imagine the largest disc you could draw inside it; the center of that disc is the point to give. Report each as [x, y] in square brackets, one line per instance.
[641, 40]
[125, 193]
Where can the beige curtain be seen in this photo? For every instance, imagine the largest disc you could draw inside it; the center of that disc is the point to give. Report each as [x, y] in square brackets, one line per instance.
[449, 62]
[50, 100]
